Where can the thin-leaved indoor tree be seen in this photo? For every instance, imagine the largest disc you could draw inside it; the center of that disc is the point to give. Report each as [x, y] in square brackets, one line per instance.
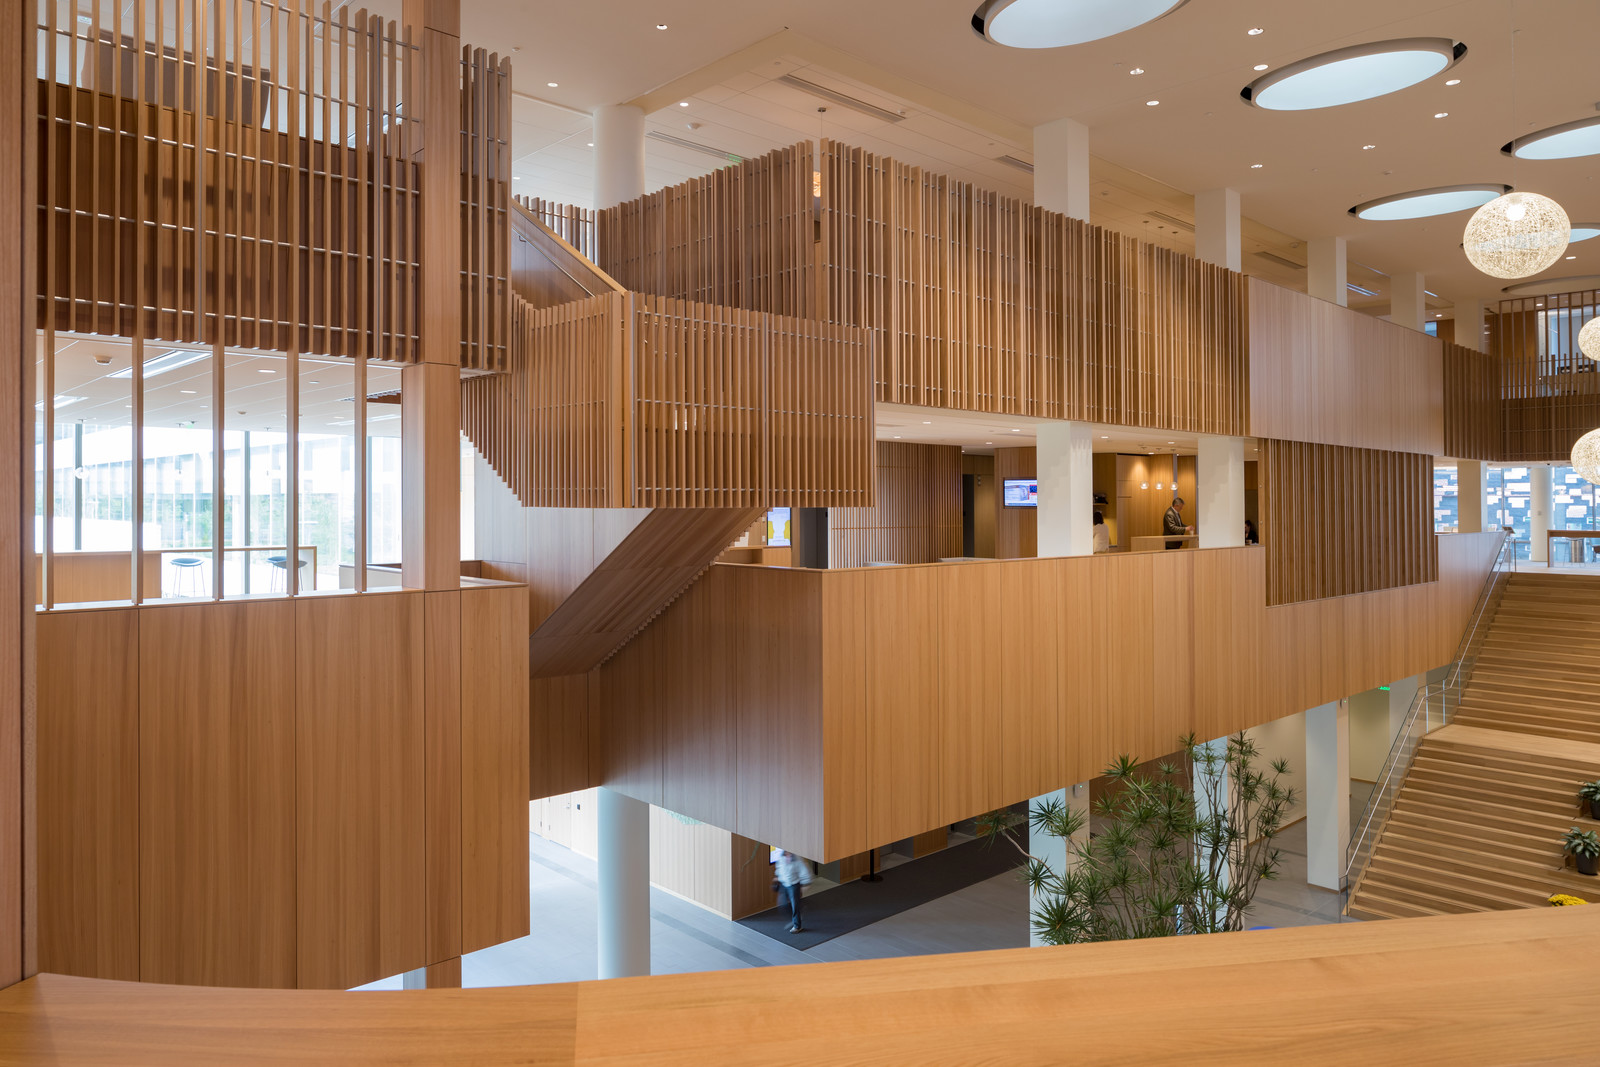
[1169, 857]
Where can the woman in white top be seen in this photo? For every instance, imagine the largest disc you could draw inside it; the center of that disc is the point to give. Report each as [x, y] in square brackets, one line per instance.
[1102, 534]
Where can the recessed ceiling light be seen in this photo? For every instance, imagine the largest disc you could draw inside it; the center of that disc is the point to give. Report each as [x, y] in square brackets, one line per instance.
[1151, 103]
[1539, 304]
[553, 85]
[1360, 72]
[1441, 114]
[264, 370]
[1016, 431]
[1368, 147]
[1453, 81]
[1567, 141]
[591, 144]
[313, 381]
[1136, 70]
[1255, 166]
[1259, 66]
[988, 442]
[191, 392]
[1438, 314]
[1105, 437]
[661, 25]
[1572, 257]
[1255, 31]
[926, 422]
[1425, 203]
[1052, 24]
[516, 177]
[897, 437]
[683, 103]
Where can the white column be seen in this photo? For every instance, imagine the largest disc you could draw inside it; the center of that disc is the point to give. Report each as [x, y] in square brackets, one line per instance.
[1469, 324]
[1219, 487]
[618, 154]
[1205, 810]
[1407, 299]
[624, 884]
[1216, 228]
[1054, 850]
[1327, 270]
[1327, 793]
[1061, 168]
[1066, 489]
[1538, 515]
[1472, 476]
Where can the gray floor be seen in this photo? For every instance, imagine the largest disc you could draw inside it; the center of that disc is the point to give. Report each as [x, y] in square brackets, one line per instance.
[991, 914]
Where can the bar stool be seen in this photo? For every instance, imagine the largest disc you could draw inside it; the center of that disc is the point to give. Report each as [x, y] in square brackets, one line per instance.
[280, 580]
[193, 569]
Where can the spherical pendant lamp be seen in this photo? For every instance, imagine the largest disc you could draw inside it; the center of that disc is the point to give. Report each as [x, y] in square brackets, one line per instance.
[1517, 235]
[1589, 339]
[1586, 457]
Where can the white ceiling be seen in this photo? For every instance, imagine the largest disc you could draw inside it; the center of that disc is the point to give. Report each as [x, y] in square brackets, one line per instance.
[1196, 61]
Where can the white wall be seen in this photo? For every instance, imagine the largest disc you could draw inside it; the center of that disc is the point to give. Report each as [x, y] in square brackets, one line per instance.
[1285, 739]
[1369, 734]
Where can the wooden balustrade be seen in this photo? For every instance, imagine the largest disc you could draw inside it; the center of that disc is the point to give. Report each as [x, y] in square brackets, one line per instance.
[1473, 416]
[629, 400]
[917, 516]
[1337, 520]
[1551, 390]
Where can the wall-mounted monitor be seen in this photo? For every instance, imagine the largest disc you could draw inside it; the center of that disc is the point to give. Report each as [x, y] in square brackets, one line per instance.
[778, 532]
[1020, 493]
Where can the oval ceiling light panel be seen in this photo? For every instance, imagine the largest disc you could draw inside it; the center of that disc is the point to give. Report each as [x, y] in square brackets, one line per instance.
[1582, 231]
[1058, 23]
[1425, 203]
[1359, 72]
[1567, 141]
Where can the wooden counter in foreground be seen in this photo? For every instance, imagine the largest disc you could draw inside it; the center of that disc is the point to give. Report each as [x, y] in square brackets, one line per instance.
[1503, 987]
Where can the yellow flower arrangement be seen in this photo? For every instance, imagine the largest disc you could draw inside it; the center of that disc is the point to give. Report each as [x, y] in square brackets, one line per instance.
[1562, 900]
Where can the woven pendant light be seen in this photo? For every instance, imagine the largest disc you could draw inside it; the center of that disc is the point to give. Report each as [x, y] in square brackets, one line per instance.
[1589, 339]
[1586, 457]
[1517, 235]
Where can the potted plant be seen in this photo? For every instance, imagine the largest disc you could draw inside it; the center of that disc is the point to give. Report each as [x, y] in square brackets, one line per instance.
[1584, 848]
[1590, 792]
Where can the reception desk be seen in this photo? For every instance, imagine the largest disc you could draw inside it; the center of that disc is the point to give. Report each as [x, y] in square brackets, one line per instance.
[1158, 544]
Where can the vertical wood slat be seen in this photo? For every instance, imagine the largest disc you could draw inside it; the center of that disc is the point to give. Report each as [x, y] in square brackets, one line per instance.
[188, 156]
[1338, 520]
[1551, 392]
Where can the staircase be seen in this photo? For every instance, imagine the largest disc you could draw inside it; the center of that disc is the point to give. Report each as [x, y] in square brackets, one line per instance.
[1477, 822]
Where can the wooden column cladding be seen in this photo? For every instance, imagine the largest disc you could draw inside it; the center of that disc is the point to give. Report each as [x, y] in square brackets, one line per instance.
[1551, 390]
[917, 517]
[1473, 420]
[276, 206]
[630, 400]
[1337, 520]
[18, 839]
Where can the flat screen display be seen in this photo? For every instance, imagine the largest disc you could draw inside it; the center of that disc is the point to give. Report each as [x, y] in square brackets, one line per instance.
[778, 527]
[1021, 493]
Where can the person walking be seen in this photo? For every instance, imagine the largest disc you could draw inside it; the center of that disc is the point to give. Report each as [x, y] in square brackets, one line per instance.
[1172, 523]
[792, 874]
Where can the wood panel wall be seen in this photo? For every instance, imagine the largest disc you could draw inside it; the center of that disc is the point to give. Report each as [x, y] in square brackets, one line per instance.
[1337, 521]
[239, 793]
[839, 710]
[277, 206]
[741, 236]
[631, 400]
[990, 304]
[1473, 416]
[1551, 390]
[1016, 530]
[1329, 375]
[18, 899]
[917, 517]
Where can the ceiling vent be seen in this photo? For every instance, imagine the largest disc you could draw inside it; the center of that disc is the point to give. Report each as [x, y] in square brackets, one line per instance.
[1012, 161]
[1175, 223]
[1272, 257]
[843, 100]
[707, 150]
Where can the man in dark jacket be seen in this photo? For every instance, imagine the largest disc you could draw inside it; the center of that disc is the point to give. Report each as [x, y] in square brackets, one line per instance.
[1172, 522]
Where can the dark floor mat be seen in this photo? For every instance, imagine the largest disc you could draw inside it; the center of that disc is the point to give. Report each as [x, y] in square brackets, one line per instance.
[856, 904]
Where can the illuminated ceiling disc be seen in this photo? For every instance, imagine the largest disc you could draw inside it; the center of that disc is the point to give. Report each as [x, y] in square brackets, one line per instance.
[1586, 457]
[1425, 203]
[1346, 75]
[1567, 141]
[1589, 339]
[1517, 235]
[1058, 23]
[1582, 231]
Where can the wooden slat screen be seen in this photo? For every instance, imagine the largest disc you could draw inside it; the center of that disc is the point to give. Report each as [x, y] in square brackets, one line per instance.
[275, 208]
[1551, 390]
[632, 400]
[1337, 520]
[917, 517]
[574, 225]
[740, 237]
[1472, 411]
[485, 207]
[990, 304]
